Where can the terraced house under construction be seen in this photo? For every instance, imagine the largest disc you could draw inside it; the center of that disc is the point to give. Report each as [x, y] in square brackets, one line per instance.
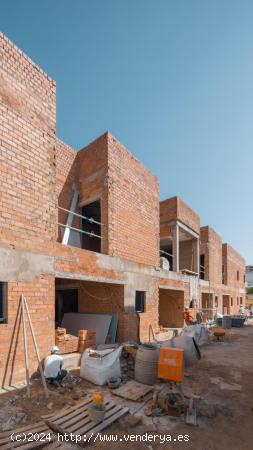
[86, 232]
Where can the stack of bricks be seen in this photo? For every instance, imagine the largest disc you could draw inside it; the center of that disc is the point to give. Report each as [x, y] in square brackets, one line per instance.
[66, 342]
[87, 339]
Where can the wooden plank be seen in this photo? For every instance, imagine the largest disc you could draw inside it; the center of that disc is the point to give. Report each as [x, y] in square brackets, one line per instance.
[24, 428]
[32, 445]
[40, 427]
[74, 422]
[87, 422]
[72, 418]
[79, 422]
[54, 445]
[132, 390]
[107, 422]
[72, 415]
[36, 444]
[90, 426]
[68, 409]
[36, 429]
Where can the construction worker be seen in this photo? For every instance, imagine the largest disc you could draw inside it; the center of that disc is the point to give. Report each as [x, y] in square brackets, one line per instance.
[241, 310]
[53, 371]
[187, 316]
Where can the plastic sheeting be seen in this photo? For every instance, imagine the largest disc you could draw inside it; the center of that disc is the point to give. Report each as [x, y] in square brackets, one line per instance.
[74, 322]
[112, 332]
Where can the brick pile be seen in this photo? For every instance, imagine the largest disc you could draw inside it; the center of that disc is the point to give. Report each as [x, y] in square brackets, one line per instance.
[66, 342]
[87, 339]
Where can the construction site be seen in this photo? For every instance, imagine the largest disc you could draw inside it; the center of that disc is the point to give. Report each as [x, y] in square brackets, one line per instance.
[91, 261]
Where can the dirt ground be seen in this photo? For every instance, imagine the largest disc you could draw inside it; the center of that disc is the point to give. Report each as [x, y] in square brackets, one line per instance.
[222, 382]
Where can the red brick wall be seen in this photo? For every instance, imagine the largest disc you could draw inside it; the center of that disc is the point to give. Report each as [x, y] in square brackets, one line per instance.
[27, 166]
[211, 247]
[92, 177]
[40, 297]
[66, 176]
[175, 209]
[133, 207]
[233, 262]
[25, 88]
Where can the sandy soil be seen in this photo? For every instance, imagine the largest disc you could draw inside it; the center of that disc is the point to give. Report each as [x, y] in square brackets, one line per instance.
[222, 380]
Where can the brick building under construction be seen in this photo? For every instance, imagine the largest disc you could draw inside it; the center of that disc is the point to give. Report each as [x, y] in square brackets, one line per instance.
[89, 227]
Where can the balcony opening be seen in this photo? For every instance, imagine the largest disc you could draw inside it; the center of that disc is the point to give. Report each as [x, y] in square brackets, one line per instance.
[91, 223]
[166, 253]
[207, 306]
[202, 267]
[188, 253]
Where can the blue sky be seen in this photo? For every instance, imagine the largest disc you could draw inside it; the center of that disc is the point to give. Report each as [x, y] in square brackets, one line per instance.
[171, 79]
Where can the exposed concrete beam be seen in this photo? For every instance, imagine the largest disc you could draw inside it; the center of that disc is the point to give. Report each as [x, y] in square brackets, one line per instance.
[79, 276]
[175, 248]
[19, 265]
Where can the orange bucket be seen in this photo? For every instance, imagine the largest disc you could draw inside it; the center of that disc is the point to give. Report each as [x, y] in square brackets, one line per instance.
[170, 364]
[98, 397]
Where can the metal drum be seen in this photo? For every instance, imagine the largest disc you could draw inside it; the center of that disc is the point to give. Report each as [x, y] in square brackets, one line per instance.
[226, 322]
[146, 364]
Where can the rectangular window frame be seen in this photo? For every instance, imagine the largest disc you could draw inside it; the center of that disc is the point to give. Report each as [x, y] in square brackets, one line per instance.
[140, 303]
[202, 266]
[3, 299]
[93, 244]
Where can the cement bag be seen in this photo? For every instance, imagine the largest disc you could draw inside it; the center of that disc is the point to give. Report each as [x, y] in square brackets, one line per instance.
[99, 369]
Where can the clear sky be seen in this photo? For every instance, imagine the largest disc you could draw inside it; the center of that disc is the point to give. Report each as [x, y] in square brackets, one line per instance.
[171, 79]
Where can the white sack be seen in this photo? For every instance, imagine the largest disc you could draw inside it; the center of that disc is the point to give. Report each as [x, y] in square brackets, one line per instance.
[99, 370]
[199, 332]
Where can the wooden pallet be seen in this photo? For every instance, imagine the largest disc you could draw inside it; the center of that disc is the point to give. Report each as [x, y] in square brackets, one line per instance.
[35, 435]
[132, 390]
[76, 420]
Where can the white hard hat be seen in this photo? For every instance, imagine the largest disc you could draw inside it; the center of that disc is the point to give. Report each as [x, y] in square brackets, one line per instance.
[55, 349]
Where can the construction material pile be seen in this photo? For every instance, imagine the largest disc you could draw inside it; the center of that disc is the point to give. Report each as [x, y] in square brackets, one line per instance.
[66, 342]
[87, 339]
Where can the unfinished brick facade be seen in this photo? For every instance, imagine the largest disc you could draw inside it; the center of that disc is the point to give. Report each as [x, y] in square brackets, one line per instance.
[234, 277]
[222, 266]
[176, 209]
[211, 249]
[38, 174]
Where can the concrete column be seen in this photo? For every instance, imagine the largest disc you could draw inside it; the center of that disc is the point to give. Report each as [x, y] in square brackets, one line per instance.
[196, 254]
[175, 248]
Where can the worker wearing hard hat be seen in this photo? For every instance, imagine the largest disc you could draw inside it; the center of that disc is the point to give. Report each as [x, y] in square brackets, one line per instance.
[53, 371]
